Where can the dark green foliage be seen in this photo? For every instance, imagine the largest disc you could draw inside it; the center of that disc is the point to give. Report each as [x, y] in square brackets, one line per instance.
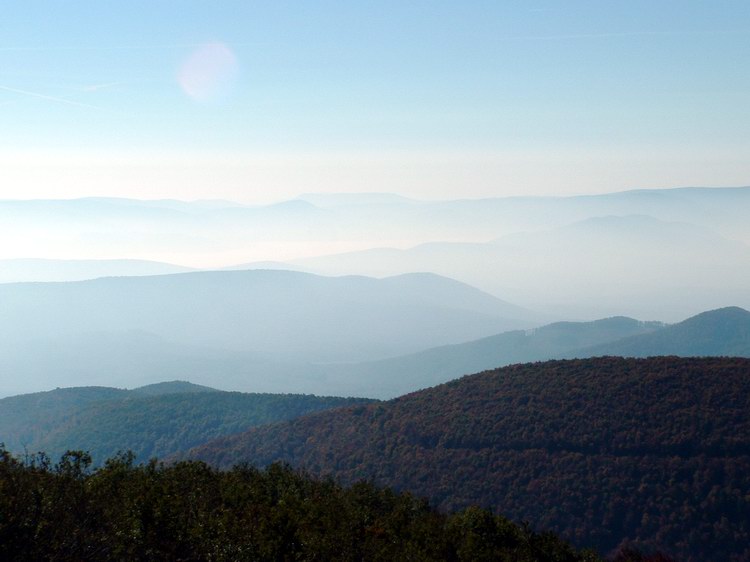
[188, 511]
[25, 418]
[607, 452]
[152, 421]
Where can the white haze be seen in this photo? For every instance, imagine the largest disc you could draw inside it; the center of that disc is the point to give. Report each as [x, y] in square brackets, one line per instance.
[101, 291]
[652, 254]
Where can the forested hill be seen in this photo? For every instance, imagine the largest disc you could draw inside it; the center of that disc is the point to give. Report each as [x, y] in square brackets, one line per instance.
[156, 420]
[171, 387]
[653, 451]
[25, 418]
[189, 512]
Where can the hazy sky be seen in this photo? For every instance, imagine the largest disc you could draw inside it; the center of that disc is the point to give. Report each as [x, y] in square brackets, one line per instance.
[259, 101]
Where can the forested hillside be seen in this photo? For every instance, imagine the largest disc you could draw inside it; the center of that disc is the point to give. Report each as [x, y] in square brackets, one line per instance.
[156, 420]
[26, 417]
[190, 512]
[653, 452]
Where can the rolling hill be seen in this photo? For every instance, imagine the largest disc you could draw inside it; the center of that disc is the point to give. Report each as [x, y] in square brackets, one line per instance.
[26, 418]
[653, 452]
[156, 420]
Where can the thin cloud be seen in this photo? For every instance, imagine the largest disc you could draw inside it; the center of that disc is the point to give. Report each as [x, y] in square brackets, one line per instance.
[96, 87]
[11, 48]
[46, 97]
[615, 35]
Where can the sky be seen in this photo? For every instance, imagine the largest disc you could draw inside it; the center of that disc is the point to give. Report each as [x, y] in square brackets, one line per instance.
[261, 101]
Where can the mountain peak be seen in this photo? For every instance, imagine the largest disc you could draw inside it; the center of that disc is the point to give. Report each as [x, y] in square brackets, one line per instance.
[172, 387]
[723, 331]
[726, 313]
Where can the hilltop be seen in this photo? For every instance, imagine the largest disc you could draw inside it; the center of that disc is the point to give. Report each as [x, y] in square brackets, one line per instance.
[156, 420]
[724, 331]
[654, 452]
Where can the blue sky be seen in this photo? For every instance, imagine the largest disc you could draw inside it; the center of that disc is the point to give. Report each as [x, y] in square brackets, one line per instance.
[432, 99]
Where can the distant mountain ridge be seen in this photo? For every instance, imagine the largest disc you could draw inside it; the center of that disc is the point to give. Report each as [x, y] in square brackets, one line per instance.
[259, 316]
[44, 270]
[651, 275]
[140, 357]
[721, 332]
[717, 332]
[359, 216]
[661, 268]
[388, 378]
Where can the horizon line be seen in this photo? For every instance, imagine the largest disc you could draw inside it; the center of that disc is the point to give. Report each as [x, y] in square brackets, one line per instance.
[301, 196]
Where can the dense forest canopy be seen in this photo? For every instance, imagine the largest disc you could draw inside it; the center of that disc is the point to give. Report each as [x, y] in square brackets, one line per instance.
[156, 420]
[191, 512]
[606, 451]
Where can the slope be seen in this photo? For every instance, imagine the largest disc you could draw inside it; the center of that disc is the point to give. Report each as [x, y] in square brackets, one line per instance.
[156, 420]
[26, 418]
[387, 378]
[721, 332]
[661, 269]
[656, 451]
[171, 387]
[161, 425]
[716, 332]
[281, 315]
[188, 511]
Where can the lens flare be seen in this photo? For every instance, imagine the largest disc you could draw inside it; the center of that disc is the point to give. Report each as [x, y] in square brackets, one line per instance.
[209, 73]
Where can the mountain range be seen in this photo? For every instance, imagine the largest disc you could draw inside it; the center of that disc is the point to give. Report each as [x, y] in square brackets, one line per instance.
[83, 333]
[722, 332]
[653, 254]
[604, 451]
[133, 342]
[634, 264]
[40, 270]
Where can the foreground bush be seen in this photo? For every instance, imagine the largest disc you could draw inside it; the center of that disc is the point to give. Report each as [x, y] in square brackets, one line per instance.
[189, 511]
